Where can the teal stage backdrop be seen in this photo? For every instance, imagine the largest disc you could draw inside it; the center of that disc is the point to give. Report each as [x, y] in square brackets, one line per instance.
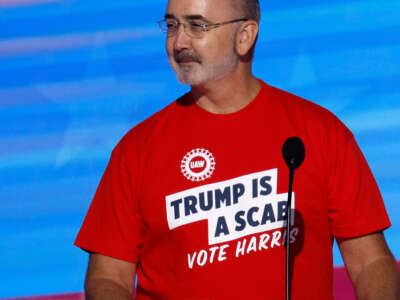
[76, 75]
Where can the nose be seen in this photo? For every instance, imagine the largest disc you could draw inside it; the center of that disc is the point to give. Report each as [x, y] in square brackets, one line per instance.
[181, 39]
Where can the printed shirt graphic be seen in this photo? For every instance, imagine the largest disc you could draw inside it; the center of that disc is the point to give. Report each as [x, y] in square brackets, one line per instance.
[221, 237]
[198, 164]
[234, 208]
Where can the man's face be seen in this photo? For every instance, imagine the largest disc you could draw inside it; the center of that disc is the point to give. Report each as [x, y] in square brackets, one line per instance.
[209, 58]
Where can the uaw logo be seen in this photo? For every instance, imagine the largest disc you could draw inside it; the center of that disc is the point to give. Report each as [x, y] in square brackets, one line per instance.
[198, 164]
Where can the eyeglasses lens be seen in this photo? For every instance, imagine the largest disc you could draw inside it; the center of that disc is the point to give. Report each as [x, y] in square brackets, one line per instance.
[171, 28]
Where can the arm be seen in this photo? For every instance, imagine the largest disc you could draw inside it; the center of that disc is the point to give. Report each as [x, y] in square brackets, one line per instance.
[371, 267]
[109, 278]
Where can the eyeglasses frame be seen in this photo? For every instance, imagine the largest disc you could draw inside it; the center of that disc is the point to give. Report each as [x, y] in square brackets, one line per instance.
[204, 27]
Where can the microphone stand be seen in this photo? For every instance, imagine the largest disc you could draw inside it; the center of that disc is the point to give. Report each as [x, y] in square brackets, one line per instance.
[288, 220]
[293, 152]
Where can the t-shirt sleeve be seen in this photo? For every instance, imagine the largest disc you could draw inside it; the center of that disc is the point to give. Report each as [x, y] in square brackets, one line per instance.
[112, 226]
[355, 207]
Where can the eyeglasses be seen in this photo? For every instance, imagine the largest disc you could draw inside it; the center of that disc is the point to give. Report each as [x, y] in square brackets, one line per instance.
[194, 29]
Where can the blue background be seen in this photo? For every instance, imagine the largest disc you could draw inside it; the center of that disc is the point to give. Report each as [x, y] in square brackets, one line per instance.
[76, 75]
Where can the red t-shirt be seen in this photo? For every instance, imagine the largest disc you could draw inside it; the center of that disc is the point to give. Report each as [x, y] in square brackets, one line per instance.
[198, 200]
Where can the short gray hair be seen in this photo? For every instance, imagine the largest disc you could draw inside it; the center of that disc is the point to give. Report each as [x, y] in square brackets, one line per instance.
[251, 9]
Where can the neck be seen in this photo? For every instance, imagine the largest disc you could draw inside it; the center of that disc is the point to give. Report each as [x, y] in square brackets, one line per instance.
[228, 94]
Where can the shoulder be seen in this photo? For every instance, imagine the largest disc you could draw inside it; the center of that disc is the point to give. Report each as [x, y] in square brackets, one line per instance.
[306, 113]
[293, 102]
[141, 134]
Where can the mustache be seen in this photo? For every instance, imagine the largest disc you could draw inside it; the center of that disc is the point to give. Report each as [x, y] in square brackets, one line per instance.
[186, 56]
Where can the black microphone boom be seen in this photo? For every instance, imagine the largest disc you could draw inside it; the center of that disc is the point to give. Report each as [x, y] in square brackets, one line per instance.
[293, 152]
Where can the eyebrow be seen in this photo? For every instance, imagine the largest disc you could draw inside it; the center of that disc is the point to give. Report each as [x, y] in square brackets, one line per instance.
[188, 17]
[169, 16]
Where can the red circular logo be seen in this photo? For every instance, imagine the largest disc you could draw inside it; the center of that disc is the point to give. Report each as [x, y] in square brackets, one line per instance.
[198, 164]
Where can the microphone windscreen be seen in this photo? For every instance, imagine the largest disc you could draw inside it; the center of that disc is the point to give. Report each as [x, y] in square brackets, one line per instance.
[293, 152]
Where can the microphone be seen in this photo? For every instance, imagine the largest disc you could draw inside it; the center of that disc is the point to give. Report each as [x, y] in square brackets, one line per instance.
[293, 152]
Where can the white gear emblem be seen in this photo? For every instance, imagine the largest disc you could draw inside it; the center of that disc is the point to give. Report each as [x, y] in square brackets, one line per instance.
[198, 164]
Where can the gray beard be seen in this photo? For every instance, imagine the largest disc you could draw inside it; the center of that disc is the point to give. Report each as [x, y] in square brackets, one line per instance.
[199, 74]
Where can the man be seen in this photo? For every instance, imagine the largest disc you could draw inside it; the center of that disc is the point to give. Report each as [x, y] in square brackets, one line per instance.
[194, 198]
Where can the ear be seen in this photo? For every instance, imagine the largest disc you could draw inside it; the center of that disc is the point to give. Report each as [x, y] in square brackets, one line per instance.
[246, 37]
